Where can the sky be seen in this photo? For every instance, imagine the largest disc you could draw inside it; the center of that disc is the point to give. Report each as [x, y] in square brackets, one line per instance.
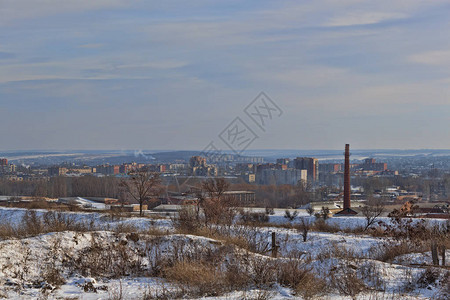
[120, 74]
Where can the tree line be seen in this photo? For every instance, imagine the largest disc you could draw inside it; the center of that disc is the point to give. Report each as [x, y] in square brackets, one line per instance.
[57, 187]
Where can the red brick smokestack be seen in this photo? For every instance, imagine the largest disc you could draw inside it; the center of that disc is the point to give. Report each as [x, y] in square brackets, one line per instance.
[347, 211]
[347, 190]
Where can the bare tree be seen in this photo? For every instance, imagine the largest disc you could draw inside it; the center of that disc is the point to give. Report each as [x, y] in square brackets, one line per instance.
[304, 227]
[142, 185]
[310, 210]
[439, 239]
[215, 188]
[373, 209]
[217, 206]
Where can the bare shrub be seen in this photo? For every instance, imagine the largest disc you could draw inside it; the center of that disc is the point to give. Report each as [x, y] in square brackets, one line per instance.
[377, 231]
[59, 221]
[125, 228]
[406, 228]
[22, 269]
[253, 239]
[290, 215]
[270, 210]
[428, 277]
[310, 287]
[234, 276]
[444, 288]
[257, 295]
[162, 292]
[111, 259]
[8, 231]
[218, 208]
[214, 207]
[32, 223]
[116, 292]
[187, 220]
[323, 214]
[337, 251]
[370, 273]
[261, 270]
[246, 237]
[248, 217]
[292, 271]
[53, 276]
[345, 280]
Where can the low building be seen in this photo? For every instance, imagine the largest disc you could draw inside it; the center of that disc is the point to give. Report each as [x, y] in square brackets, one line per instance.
[330, 168]
[242, 198]
[108, 170]
[83, 170]
[334, 206]
[280, 176]
[128, 208]
[57, 171]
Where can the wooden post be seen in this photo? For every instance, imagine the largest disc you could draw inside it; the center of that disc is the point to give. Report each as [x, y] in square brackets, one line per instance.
[274, 245]
[434, 253]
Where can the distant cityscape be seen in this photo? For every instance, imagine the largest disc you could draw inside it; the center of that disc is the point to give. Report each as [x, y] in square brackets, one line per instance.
[321, 179]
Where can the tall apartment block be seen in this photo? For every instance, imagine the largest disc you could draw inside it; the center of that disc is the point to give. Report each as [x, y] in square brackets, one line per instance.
[310, 164]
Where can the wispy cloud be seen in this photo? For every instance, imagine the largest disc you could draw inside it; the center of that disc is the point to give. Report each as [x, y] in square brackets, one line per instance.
[364, 18]
[435, 58]
[91, 46]
[19, 10]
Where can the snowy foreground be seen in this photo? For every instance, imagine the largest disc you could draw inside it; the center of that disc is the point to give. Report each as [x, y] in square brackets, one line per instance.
[32, 267]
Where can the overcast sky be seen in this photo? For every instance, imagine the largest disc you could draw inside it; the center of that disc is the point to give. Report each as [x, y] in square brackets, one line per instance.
[120, 74]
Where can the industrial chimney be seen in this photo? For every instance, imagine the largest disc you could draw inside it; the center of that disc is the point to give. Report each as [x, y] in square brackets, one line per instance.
[347, 191]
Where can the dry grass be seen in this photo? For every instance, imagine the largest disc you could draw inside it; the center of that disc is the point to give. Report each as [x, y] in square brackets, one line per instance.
[310, 286]
[389, 250]
[202, 278]
[296, 274]
[33, 224]
[336, 250]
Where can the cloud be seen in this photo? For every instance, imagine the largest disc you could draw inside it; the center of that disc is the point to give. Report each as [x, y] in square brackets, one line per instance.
[16, 10]
[364, 18]
[91, 67]
[433, 58]
[90, 46]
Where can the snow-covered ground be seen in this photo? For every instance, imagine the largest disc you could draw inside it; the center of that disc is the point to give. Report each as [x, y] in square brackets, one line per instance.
[77, 256]
[352, 222]
[13, 216]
